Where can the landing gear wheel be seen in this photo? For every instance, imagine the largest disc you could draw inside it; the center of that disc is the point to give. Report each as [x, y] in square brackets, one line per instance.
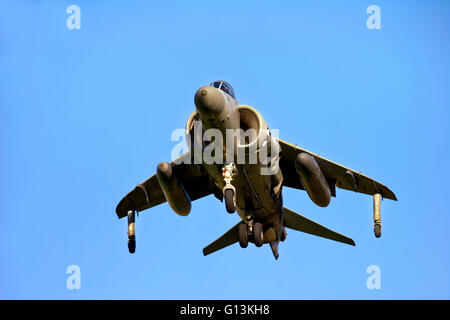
[258, 234]
[229, 200]
[243, 235]
[132, 244]
[283, 234]
[377, 230]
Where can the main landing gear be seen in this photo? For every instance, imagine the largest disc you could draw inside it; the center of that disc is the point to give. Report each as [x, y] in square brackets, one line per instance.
[243, 235]
[258, 235]
[253, 232]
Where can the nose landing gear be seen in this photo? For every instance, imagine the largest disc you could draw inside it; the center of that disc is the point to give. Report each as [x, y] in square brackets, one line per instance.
[229, 191]
[230, 200]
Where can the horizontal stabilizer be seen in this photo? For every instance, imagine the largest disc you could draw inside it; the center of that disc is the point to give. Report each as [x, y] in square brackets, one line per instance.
[230, 237]
[297, 222]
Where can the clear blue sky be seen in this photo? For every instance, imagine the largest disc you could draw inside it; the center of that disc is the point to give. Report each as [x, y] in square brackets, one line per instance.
[87, 114]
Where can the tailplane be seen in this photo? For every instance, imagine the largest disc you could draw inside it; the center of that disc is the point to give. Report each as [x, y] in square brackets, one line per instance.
[227, 239]
[298, 222]
[291, 220]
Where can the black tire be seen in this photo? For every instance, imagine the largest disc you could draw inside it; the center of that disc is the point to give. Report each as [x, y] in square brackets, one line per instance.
[377, 230]
[283, 234]
[258, 234]
[132, 244]
[229, 200]
[243, 235]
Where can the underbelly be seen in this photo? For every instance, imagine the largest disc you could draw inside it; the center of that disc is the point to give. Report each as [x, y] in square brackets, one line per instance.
[254, 194]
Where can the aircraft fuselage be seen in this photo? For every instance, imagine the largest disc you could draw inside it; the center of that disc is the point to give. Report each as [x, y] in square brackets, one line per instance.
[258, 197]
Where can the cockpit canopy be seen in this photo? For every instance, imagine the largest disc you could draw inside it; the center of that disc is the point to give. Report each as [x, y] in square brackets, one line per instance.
[225, 87]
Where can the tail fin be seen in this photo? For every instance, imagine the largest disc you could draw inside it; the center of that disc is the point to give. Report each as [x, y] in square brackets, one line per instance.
[227, 239]
[297, 222]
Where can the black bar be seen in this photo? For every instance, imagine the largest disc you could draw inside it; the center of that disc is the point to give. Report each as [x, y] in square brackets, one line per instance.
[222, 309]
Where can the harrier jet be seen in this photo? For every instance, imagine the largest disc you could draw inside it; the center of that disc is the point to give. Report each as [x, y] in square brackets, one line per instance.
[234, 156]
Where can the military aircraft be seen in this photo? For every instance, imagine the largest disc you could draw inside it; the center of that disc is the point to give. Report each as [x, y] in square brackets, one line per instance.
[241, 183]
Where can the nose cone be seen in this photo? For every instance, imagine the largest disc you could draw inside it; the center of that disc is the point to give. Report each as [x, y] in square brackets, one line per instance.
[209, 101]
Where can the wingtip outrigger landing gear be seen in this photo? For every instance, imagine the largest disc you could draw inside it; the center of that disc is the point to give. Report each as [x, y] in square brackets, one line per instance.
[377, 215]
[131, 231]
[229, 192]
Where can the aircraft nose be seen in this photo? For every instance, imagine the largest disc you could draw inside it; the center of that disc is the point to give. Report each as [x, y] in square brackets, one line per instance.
[209, 101]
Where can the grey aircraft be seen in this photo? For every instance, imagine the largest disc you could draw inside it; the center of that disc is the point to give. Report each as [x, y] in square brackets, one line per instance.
[252, 187]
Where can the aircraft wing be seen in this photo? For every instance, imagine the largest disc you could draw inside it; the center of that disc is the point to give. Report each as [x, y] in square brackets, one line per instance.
[149, 194]
[335, 174]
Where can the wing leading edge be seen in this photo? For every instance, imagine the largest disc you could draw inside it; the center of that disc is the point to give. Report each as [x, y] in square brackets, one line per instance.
[149, 193]
[335, 174]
